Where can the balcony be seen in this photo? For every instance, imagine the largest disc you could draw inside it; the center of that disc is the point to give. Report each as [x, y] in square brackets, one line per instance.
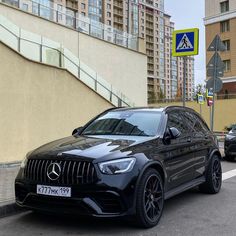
[72, 5]
[118, 13]
[118, 4]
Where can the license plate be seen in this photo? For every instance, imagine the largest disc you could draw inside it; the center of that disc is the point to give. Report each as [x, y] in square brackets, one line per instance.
[54, 191]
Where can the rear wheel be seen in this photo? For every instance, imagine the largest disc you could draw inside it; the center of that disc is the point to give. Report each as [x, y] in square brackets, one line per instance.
[150, 199]
[213, 177]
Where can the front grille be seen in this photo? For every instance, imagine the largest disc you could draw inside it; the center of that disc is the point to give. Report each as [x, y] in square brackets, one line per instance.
[72, 172]
[232, 148]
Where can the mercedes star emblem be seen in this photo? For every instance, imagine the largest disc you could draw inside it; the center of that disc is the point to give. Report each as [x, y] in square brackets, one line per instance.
[54, 171]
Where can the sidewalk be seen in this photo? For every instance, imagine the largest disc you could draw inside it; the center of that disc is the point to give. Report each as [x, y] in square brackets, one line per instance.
[7, 193]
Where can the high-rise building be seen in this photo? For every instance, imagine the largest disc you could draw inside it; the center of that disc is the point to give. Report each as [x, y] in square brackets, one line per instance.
[151, 28]
[171, 65]
[189, 77]
[122, 15]
[220, 18]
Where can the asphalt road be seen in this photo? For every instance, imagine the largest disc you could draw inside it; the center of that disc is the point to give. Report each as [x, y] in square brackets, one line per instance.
[191, 213]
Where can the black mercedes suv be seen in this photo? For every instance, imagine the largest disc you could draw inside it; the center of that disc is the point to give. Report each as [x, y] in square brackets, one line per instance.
[230, 145]
[124, 162]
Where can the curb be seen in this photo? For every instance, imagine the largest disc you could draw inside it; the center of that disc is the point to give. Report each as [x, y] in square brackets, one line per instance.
[10, 165]
[9, 208]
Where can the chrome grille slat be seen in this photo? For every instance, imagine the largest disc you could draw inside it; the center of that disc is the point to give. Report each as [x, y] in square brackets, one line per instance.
[72, 172]
[38, 169]
[68, 172]
[87, 176]
[45, 171]
[32, 169]
[41, 174]
[83, 172]
[63, 173]
[77, 175]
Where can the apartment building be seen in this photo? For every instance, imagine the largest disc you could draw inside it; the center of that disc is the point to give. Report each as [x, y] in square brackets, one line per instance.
[171, 66]
[151, 28]
[122, 15]
[220, 18]
[189, 77]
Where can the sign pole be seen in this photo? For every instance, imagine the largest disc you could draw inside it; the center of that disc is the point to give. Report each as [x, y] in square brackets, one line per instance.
[215, 68]
[184, 81]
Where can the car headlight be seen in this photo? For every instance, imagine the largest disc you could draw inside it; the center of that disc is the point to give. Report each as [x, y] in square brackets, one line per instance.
[230, 137]
[117, 166]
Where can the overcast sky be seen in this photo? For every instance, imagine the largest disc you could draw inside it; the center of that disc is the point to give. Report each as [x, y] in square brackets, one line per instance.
[190, 14]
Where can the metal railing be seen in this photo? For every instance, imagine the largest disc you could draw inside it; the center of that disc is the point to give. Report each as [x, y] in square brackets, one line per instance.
[62, 15]
[167, 100]
[41, 49]
[226, 96]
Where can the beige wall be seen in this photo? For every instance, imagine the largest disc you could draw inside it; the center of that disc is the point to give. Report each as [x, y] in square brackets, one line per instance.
[39, 103]
[212, 7]
[225, 112]
[125, 69]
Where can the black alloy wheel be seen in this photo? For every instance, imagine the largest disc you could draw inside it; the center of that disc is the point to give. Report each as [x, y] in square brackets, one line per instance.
[150, 199]
[216, 174]
[213, 177]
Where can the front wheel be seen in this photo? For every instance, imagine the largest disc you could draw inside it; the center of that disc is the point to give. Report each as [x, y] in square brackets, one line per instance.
[213, 177]
[150, 199]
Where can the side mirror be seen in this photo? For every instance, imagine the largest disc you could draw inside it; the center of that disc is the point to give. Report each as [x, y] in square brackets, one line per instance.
[174, 132]
[77, 130]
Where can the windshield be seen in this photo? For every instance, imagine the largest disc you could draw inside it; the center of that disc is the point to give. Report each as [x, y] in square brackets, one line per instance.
[134, 123]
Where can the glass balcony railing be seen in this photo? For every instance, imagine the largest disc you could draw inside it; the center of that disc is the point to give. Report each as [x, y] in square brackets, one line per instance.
[72, 19]
[41, 49]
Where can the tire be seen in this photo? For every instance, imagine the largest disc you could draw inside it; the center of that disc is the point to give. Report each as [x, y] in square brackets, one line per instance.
[150, 199]
[213, 177]
[229, 158]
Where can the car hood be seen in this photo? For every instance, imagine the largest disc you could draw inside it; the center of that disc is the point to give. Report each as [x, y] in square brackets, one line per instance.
[91, 147]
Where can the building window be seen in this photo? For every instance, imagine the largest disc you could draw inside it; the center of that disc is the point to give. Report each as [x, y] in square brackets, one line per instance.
[25, 7]
[108, 14]
[227, 65]
[227, 45]
[108, 22]
[82, 6]
[224, 6]
[224, 26]
[108, 6]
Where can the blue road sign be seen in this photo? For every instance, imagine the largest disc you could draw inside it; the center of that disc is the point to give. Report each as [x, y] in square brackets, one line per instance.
[185, 42]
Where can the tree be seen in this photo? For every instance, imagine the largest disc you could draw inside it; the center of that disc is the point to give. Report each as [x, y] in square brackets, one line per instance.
[161, 95]
[200, 89]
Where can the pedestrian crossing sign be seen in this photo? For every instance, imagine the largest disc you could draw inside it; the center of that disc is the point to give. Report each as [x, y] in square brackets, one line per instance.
[185, 42]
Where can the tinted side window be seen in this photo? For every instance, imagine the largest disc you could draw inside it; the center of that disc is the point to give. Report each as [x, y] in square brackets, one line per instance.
[196, 123]
[177, 121]
[203, 124]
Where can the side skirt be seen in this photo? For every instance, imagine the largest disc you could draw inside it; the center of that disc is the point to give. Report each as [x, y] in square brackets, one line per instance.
[185, 187]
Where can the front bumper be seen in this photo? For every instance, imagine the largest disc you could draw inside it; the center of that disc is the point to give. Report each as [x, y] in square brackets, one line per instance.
[110, 196]
[230, 148]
